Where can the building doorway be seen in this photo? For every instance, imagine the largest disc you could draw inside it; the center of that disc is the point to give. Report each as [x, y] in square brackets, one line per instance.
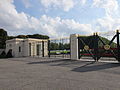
[39, 50]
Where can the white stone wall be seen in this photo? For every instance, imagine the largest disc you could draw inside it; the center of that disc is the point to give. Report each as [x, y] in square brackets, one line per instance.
[11, 45]
[25, 48]
[16, 51]
[46, 48]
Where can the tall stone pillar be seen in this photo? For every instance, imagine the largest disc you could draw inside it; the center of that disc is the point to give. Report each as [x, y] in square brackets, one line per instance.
[74, 46]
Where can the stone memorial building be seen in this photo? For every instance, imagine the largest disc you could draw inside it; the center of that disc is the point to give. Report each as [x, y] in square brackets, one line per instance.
[27, 47]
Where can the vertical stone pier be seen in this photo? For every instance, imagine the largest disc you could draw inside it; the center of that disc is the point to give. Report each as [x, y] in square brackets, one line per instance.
[74, 46]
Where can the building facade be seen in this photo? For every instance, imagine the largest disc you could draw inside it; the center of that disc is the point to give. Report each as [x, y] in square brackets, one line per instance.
[27, 47]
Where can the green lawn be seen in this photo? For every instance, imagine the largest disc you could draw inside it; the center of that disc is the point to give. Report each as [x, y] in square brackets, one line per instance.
[60, 52]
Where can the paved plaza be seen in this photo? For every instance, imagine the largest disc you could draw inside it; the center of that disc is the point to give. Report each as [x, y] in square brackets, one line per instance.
[58, 74]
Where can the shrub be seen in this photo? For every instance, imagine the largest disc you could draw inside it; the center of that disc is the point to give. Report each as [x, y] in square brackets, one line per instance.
[3, 55]
[9, 54]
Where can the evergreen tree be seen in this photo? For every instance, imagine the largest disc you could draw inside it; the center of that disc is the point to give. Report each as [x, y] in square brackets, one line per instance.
[3, 38]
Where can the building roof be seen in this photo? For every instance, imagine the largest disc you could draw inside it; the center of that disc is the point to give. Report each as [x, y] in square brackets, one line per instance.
[27, 39]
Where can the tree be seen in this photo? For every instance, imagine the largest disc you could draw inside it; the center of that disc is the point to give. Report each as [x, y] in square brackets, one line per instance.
[54, 46]
[3, 54]
[22, 36]
[61, 46]
[3, 38]
[11, 37]
[38, 36]
[9, 54]
[67, 46]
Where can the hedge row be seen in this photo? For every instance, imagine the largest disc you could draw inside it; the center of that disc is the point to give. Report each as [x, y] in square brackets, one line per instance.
[8, 55]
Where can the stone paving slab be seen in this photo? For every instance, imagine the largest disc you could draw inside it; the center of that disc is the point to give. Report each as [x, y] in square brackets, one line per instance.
[58, 74]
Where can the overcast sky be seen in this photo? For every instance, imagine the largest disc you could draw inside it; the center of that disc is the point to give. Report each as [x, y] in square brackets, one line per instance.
[59, 18]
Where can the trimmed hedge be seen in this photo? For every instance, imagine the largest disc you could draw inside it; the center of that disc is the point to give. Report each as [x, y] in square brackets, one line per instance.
[3, 55]
[9, 54]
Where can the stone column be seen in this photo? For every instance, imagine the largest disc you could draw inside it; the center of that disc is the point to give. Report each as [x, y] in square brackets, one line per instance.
[74, 46]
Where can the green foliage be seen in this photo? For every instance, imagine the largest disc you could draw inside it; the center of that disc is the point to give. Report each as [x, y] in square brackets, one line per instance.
[22, 36]
[3, 55]
[67, 46]
[106, 41]
[59, 46]
[36, 36]
[54, 52]
[90, 42]
[9, 54]
[3, 38]
[54, 46]
[10, 37]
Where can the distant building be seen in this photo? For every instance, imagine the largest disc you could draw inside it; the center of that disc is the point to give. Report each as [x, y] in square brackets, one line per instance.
[27, 47]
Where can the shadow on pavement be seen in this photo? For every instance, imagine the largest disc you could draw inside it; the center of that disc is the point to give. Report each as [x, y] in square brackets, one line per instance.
[84, 66]
[62, 62]
[72, 63]
[95, 67]
[49, 61]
